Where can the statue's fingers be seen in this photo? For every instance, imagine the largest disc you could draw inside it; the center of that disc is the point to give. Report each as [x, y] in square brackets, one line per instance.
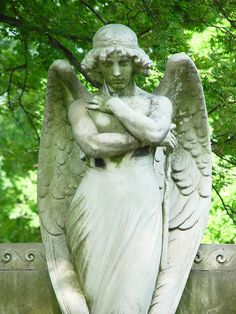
[175, 140]
[97, 99]
[92, 106]
[173, 137]
[92, 101]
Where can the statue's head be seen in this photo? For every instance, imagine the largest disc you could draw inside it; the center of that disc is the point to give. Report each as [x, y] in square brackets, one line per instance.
[111, 42]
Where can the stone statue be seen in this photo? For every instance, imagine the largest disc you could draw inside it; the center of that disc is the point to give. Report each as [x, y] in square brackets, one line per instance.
[124, 180]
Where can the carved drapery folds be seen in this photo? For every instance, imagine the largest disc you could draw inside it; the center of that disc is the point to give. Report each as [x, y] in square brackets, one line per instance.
[137, 208]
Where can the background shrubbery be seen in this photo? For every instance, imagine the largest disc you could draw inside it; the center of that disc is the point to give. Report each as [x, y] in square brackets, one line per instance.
[36, 32]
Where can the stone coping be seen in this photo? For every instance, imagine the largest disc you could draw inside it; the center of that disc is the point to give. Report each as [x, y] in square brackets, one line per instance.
[30, 256]
[25, 287]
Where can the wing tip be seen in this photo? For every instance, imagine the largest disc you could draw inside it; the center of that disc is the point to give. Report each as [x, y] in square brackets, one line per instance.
[180, 56]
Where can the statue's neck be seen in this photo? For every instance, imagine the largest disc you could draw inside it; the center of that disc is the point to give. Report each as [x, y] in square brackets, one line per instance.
[126, 92]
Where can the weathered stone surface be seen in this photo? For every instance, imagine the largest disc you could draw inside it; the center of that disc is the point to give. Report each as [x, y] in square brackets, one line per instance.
[26, 288]
[212, 282]
[104, 220]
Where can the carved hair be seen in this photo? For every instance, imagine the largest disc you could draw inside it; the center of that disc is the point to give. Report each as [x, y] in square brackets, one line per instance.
[115, 38]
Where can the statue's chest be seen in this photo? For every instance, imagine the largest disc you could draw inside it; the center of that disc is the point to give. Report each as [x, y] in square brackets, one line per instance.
[105, 122]
[109, 123]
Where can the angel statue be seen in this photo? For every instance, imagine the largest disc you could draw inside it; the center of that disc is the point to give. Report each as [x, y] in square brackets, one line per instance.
[124, 180]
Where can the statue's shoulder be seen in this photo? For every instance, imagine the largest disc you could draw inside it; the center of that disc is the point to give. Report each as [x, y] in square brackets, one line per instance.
[155, 100]
[78, 108]
[140, 92]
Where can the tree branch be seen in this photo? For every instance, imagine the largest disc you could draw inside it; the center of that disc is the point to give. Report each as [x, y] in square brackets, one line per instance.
[56, 44]
[73, 60]
[230, 211]
[230, 138]
[224, 13]
[223, 29]
[18, 67]
[26, 112]
[215, 108]
[148, 11]
[144, 32]
[10, 82]
[10, 20]
[3, 92]
[232, 162]
[93, 11]
[75, 38]
[12, 71]
[9, 89]
[16, 22]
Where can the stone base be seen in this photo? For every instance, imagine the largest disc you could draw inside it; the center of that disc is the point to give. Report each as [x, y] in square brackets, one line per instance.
[25, 286]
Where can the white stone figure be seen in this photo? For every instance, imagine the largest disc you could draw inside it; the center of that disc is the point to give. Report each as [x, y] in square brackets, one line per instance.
[123, 197]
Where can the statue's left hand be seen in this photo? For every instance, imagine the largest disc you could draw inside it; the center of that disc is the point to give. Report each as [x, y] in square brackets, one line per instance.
[100, 103]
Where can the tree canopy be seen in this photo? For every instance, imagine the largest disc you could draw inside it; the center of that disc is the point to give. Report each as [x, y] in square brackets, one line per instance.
[34, 33]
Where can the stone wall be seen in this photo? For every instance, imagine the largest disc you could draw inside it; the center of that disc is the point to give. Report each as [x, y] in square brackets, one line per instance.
[211, 287]
[25, 287]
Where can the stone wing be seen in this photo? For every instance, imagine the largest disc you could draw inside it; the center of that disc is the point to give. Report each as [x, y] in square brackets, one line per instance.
[189, 183]
[60, 167]
[60, 170]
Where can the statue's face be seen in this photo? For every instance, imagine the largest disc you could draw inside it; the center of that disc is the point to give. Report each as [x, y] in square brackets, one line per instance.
[117, 71]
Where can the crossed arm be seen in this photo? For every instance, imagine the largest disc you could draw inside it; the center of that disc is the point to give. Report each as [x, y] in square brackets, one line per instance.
[150, 129]
[142, 130]
[93, 143]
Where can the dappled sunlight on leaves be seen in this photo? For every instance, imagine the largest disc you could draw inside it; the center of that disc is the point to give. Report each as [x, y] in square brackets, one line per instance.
[35, 33]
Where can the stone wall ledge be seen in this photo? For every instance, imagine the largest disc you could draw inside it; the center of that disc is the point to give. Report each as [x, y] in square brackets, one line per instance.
[25, 285]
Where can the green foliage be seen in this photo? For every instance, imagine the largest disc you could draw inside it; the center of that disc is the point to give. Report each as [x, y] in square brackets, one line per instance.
[19, 219]
[36, 32]
[220, 228]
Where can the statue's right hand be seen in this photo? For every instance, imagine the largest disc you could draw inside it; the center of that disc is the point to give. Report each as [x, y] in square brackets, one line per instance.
[170, 141]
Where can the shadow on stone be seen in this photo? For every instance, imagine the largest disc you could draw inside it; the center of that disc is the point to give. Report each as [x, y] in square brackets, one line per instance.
[26, 288]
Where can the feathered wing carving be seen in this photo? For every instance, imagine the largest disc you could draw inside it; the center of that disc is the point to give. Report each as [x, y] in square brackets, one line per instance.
[189, 184]
[60, 170]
